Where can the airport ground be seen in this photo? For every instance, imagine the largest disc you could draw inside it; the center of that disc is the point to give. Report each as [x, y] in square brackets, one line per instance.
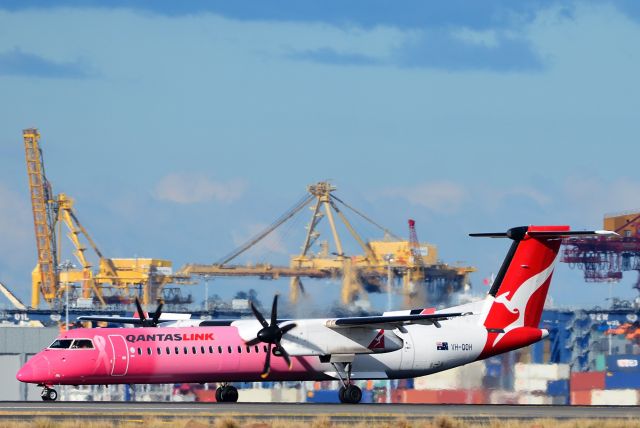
[260, 415]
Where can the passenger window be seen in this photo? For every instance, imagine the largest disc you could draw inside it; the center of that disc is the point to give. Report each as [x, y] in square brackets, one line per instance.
[202, 349]
[149, 351]
[239, 349]
[177, 351]
[61, 344]
[168, 350]
[193, 348]
[248, 349]
[265, 349]
[219, 349]
[82, 344]
[139, 351]
[211, 349]
[229, 349]
[159, 351]
[257, 349]
[185, 350]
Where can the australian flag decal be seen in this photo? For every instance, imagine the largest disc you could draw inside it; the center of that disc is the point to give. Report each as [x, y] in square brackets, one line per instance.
[442, 346]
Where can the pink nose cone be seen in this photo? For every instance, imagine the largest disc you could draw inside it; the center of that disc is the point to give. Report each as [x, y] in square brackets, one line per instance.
[36, 370]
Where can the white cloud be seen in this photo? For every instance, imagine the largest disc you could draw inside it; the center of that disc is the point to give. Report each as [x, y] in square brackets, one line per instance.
[596, 197]
[444, 197]
[191, 188]
[493, 198]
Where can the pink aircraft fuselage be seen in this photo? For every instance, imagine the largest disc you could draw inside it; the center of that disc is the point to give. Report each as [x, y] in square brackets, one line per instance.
[160, 355]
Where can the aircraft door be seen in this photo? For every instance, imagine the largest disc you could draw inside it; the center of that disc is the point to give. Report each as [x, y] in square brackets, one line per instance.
[408, 351]
[120, 362]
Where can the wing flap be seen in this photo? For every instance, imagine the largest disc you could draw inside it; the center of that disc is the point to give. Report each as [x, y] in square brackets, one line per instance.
[393, 321]
[114, 320]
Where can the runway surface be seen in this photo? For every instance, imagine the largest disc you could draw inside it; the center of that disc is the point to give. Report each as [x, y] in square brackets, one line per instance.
[304, 411]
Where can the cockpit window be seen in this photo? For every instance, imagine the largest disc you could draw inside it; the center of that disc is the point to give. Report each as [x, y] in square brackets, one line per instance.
[61, 344]
[82, 344]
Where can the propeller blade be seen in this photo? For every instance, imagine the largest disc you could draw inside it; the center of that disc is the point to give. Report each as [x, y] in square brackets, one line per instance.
[267, 364]
[253, 342]
[140, 311]
[284, 355]
[274, 310]
[287, 327]
[258, 315]
[157, 314]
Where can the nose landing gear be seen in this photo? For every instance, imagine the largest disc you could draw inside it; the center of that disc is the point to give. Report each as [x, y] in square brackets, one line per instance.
[226, 394]
[49, 394]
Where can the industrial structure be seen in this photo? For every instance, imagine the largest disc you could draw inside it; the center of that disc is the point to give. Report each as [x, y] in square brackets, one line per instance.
[414, 264]
[604, 259]
[116, 281]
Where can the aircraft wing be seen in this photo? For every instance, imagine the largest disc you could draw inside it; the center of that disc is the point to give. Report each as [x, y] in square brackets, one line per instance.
[393, 321]
[115, 320]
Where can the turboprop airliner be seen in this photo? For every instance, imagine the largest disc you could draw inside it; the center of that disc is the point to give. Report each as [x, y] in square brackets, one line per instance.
[401, 344]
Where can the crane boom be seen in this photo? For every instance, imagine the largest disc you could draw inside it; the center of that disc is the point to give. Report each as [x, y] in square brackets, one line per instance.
[44, 214]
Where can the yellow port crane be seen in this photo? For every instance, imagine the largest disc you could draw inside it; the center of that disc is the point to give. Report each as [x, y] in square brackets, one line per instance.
[116, 280]
[359, 273]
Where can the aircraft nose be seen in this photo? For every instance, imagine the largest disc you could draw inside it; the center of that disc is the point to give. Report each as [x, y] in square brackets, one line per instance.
[25, 374]
[36, 370]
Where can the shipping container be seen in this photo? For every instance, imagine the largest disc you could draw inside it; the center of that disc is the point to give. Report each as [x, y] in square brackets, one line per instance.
[541, 371]
[534, 399]
[425, 396]
[530, 385]
[503, 397]
[469, 376]
[560, 400]
[205, 395]
[581, 397]
[255, 396]
[323, 396]
[581, 381]
[622, 380]
[623, 363]
[600, 363]
[614, 397]
[558, 387]
[444, 396]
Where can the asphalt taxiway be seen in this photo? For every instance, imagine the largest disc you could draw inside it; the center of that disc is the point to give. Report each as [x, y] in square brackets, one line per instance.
[307, 411]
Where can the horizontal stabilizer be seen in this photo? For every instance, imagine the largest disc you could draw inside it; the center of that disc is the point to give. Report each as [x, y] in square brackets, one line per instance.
[546, 234]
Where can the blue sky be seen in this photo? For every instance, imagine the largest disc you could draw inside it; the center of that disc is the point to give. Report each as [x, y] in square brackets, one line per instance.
[182, 128]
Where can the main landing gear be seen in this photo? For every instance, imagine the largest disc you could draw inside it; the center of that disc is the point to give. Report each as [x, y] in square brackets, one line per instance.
[226, 394]
[348, 392]
[49, 394]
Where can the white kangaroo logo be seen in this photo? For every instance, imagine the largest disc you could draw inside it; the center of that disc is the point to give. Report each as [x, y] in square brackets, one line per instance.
[518, 302]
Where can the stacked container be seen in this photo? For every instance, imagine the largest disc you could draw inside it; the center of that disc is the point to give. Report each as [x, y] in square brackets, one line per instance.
[532, 381]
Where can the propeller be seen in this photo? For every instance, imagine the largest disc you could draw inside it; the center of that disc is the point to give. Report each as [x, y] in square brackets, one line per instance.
[271, 333]
[149, 322]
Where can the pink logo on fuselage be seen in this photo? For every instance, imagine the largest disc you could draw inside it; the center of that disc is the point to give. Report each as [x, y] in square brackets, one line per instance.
[164, 337]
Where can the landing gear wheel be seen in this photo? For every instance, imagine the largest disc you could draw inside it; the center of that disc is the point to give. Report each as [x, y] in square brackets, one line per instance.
[49, 394]
[227, 394]
[351, 394]
[341, 394]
